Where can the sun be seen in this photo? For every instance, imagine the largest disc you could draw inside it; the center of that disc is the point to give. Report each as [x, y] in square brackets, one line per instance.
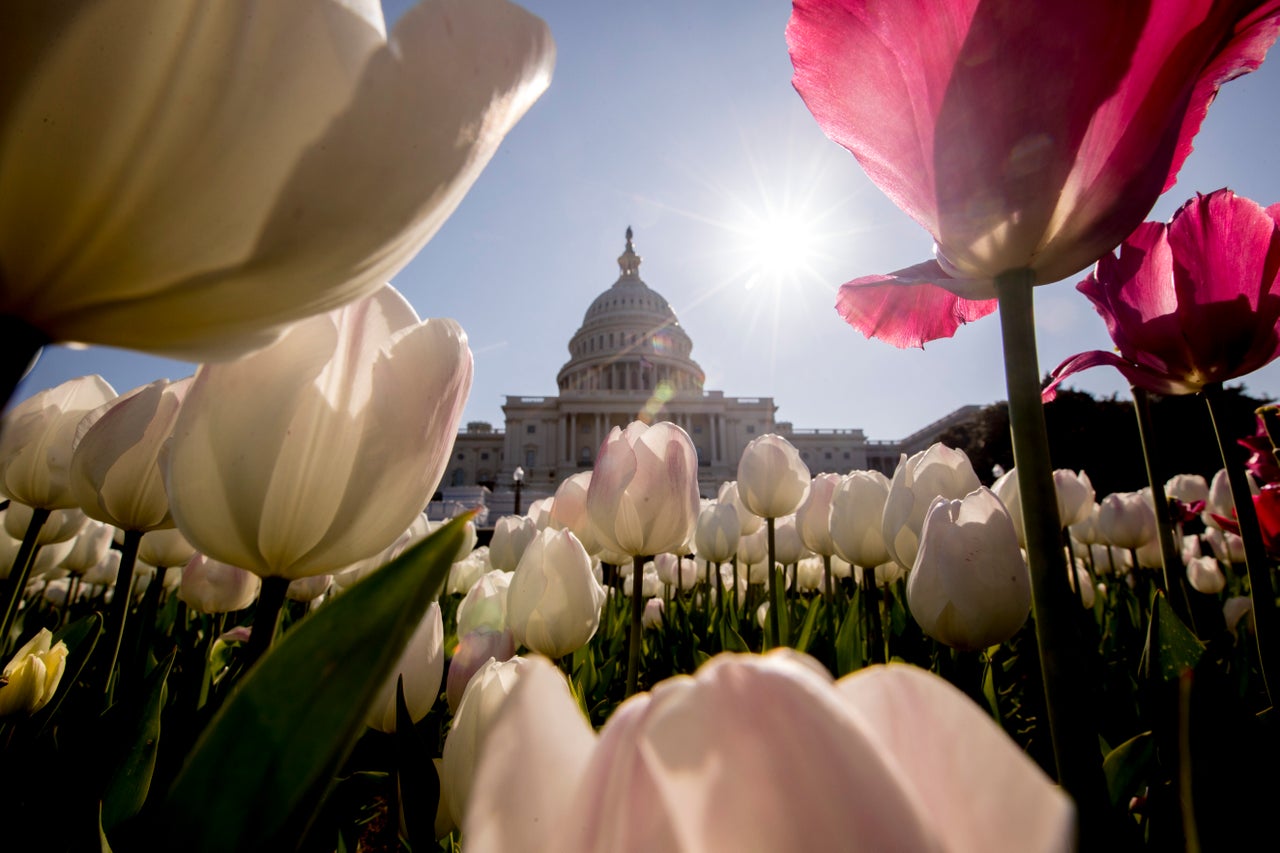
[778, 247]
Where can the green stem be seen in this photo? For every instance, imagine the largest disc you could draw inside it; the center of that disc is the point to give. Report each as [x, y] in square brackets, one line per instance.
[1062, 650]
[143, 630]
[20, 571]
[871, 608]
[19, 346]
[266, 618]
[119, 612]
[775, 604]
[637, 611]
[1170, 558]
[1255, 550]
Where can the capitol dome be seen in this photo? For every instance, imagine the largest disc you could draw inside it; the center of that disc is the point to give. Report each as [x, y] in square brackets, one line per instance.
[630, 341]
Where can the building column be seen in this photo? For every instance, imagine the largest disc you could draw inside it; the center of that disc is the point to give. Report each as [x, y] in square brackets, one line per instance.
[713, 425]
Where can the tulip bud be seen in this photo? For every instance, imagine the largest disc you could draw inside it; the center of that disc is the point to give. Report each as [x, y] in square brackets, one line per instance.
[643, 497]
[477, 712]
[772, 478]
[511, 535]
[115, 468]
[936, 472]
[856, 509]
[36, 437]
[422, 665]
[484, 607]
[61, 525]
[753, 548]
[813, 517]
[970, 587]
[729, 495]
[654, 609]
[1075, 496]
[787, 547]
[718, 530]
[474, 649]
[569, 511]
[31, 677]
[464, 573]
[553, 604]
[1126, 520]
[1188, 488]
[1205, 575]
[210, 586]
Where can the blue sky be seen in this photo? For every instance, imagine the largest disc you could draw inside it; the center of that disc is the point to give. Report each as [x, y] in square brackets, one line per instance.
[677, 118]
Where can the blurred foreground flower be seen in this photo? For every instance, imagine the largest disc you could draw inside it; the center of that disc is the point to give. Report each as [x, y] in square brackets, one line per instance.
[31, 677]
[916, 764]
[952, 114]
[1190, 303]
[185, 177]
[321, 449]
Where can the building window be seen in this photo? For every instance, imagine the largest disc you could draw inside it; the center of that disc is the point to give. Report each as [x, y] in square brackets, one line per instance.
[462, 456]
[585, 456]
[531, 429]
[826, 455]
[697, 430]
[530, 456]
[847, 455]
[751, 429]
[459, 477]
[486, 456]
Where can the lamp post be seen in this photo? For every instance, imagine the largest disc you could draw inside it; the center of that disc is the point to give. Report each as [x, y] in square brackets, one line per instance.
[517, 480]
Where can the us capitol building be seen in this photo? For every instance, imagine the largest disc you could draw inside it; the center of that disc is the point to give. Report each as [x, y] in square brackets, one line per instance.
[631, 359]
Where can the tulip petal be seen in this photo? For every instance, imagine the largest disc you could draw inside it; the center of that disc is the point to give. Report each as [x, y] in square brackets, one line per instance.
[533, 757]
[905, 308]
[1143, 377]
[974, 786]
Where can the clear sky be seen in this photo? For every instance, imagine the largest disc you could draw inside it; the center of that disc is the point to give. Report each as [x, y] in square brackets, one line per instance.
[677, 117]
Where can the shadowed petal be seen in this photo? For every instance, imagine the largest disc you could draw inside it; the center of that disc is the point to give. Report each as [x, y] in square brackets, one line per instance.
[906, 308]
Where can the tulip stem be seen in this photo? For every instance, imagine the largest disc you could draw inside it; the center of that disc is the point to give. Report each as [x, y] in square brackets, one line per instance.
[20, 571]
[119, 612]
[19, 346]
[637, 611]
[1261, 589]
[775, 611]
[1062, 649]
[1170, 558]
[266, 618]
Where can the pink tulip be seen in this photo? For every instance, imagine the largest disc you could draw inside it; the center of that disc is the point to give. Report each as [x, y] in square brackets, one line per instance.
[889, 758]
[1020, 135]
[1190, 303]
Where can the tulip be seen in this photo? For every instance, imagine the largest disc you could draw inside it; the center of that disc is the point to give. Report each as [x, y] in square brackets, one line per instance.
[1188, 488]
[569, 510]
[61, 525]
[1075, 496]
[344, 440]
[115, 469]
[936, 472]
[91, 545]
[788, 548]
[553, 603]
[309, 589]
[464, 573]
[1234, 609]
[251, 164]
[165, 548]
[421, 665]
[717, 532]
[105, 572]
[511, 536]
[813, 516]
[484, 607]
[31, 677]
[753, 548]
[1084, 583]
[772, 478]
[210, 586]
[728, 494]
[1006, 166]
[1126, 520]
[921, 767]
[643, 497]
[474, 650]
[540, 512]
[856, 510]
[481, 702]
[969, 587]
[36, 437]
[654, 609]
[1190, 304]
[1204, 575]
[1227, 546]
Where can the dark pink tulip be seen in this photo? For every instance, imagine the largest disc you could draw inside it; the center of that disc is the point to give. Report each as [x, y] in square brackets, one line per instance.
[1191, 303]
[1020, 135]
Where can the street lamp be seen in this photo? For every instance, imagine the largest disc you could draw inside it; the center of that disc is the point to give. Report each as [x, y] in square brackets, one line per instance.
[517, 480]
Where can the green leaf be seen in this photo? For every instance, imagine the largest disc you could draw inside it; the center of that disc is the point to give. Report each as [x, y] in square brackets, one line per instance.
[849, 644]
[130, 781]
[261, 768]
[1171, 647]
[810, 622]
[417, 783]
[731, 640]
[1126, 766]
